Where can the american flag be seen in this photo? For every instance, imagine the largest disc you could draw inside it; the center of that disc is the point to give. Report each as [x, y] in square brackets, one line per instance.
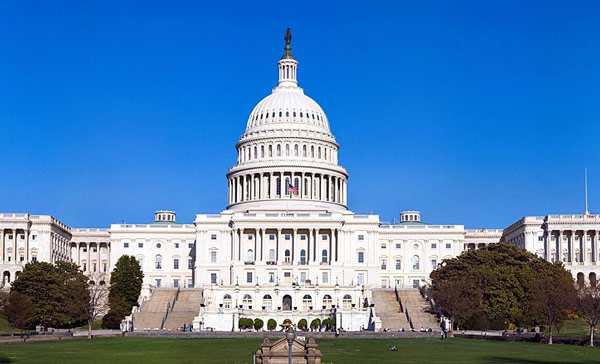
[292, 189]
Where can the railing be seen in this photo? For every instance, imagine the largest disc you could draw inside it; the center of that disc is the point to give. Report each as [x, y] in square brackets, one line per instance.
[398, 298]
[409, 319]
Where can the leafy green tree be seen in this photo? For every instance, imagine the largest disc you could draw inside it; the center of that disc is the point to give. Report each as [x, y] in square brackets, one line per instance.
[125, 287]
[315, 324]
[302, 324]
[19, 311]
[57, 291]
[258, 324]
[271, 324]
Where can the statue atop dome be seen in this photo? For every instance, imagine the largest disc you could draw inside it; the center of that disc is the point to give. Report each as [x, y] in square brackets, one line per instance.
[287, 50]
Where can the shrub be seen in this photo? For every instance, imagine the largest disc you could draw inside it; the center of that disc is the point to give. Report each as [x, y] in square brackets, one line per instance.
[258, 324]
[315, 324]
[271, 324]
[302, 324]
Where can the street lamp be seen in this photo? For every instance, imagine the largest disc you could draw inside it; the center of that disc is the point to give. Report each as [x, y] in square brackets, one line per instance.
[290, 335]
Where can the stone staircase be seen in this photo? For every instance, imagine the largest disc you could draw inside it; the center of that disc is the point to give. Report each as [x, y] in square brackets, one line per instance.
[417, 308]
[186, 308]
[153, 310]
[387, 309]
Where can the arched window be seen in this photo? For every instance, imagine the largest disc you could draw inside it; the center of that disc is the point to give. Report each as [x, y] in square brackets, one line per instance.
[306, 187]
[295, 150]
[270, 150]
[287, 255]
[247, 300]
[287, 150]
[287, 183]
[255, 152]
[304, 150]
[302, 256]
[158, 262]
[278, 186]
[227, 301]
[327, 301]
[415, 262]
[312, 151]
[268, 302]
[307, 302]
[250, 255]
[272, 255]
[347, 302]
[319, 153]
[324, 256]
[297, 183]
[262, 151]
[279, 150]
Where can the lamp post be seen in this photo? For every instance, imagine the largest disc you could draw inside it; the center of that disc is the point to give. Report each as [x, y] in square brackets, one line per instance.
[290, 335]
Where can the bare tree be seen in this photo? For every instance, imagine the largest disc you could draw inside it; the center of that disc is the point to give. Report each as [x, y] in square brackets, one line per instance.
[455, 298]
[98, 304]
[588, 305]
[18, 309]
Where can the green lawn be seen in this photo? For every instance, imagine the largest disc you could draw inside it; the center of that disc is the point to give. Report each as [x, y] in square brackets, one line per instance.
[574, 328]
[339, 351]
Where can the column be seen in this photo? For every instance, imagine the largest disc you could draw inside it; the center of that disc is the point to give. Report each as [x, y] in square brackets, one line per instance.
[232, 236]
[547, 248]
[559, 246]
[89, 256]
[571, 250]
[271, 177]
[2, 246]
[99, 266]
[78, 254]
[239, 245]
[294, 244]
[308, 250]
[315, 234]
[311, 190]
[277, 246]
[330, 250]
[595, 250]
[337, 238]
[26, 246]
[583, 253]
[252, 197]
[323, 194]
[261, 233]
[345, 192]
[301, 189]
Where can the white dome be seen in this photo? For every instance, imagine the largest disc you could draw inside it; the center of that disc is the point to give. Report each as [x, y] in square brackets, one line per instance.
[288, 108]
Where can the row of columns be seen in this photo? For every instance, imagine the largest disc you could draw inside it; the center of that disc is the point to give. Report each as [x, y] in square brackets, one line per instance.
[14, 256]
[268, 185]
[570, 245]
[89, 258]
[295, 245]
[304, 151]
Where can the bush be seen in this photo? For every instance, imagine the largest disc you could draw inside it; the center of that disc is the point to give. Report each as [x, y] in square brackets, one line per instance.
[315, 324]
[245, 323]
[302, 324]
[271, 324]
[258, 324]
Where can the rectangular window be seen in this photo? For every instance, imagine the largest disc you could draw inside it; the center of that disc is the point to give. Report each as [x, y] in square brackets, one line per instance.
[287, 237]
[213, 236]
[157, 281]
[271, 277]
[302, 277]
[248, 277]
[22, 236]
[95, 250]
[190, 283]
[126, 245]
[175, 283]
[325, 277]
[360, 280]
[176, 245]
[213, 256]
[361, 257]
[33, 237]
[433, 245]
[140, 245]
[384, 264]
[104, 268]
[190, 264]
[383, 246]
[324, 237]
[271, 237]
[175, 263]
[302, 237]
[213, 278]
[191, 245]
[541, 238]
[434, 263]
[361, 237]
[448, 246]
[249, 237]
[398, 246]
[398, 264]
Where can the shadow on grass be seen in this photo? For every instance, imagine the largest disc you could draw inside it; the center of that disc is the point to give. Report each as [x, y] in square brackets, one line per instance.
[5, 359]
[499, 359]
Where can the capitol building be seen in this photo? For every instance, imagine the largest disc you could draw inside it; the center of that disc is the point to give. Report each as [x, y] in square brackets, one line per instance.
[287, 245]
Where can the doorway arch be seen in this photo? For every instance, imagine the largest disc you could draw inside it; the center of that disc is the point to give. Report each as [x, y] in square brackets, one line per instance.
[287, 302]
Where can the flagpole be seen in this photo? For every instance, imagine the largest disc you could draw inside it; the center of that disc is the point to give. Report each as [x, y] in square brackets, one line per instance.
[587, 212]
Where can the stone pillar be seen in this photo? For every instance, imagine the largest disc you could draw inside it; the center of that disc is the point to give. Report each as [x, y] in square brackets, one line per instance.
[278, 246]
[89, 256]
[559, 246]
[15, 246]
[240, 233]
[548, 247]
[595, 250]
[584, 247]
[26, 246]
[294, 244]
[315, 232]
[308, 250]
[2, 246]
[311, 189]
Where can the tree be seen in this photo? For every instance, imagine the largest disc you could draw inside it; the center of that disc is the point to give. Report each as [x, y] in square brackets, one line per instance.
[456, 298]
[258, 324]
[125, 287]
[98, 300]
[315, 324]
[19, 310]
[302, 324]
[588, 306]
[553, 293]
[57, 291]
[271, 324]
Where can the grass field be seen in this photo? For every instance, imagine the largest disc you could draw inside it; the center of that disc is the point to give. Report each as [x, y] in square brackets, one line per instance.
[339, 351]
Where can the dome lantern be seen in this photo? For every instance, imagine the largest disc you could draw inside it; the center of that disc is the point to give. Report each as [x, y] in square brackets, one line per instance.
[288, 66]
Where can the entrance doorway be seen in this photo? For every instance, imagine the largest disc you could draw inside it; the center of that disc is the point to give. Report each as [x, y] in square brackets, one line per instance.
[287, 303]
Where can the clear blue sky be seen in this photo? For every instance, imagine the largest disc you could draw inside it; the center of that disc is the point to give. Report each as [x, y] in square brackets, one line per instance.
[474, 113]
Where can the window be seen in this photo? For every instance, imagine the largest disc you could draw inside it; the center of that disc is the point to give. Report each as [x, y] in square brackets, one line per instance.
[324, 256]
[324, 237]
[307, 302]
[361, 237]
[227, 301]
[190, 264]
[448, 246]
[268, 302]
[191, 245]
[33, 237]
[398, 264]
[176, 283]
[383, 264]
[272, 255]
[158, 262]
[302, 277]
[271, 277]
[34, 259]
[433, 245]
[247, 300]
[213, 236]
[157, 246]
[287, 255]
[398, 246]
[158, 282]
[360, 280]
[541, 238]
[287, 237]
[126, 245]
[140, 245]
[327, 300]
[175, 263]
[213, 278]
[213, 256]
[361, 257]
[22, 236]
[415, 262]
[104, 267]
[383, 246]
[302, 256]
[347, 302]
[434, 263]
[325, 277]
[278, 186]
[176, 245]
[84, 267]
[302, 237]
[249, 237]
[250, 255]
[248, 277]
[271, 237]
